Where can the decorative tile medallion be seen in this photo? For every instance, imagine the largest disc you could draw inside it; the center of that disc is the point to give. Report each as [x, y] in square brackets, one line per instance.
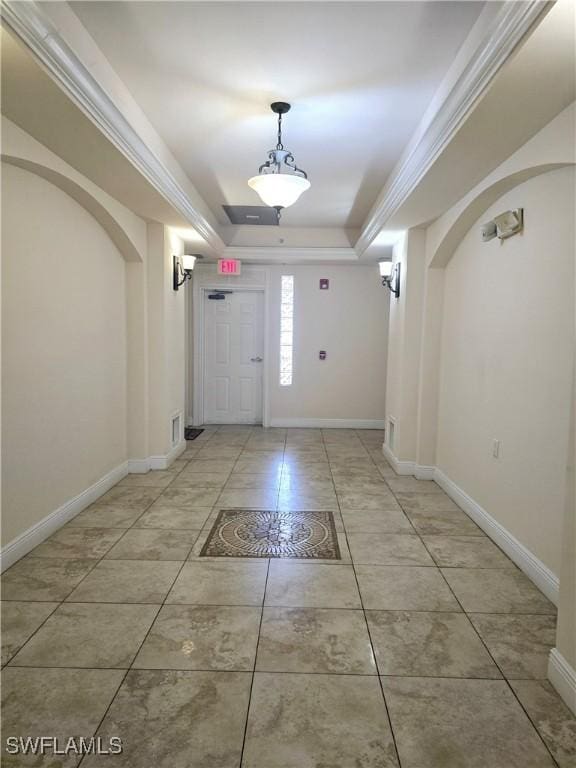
[259, 533]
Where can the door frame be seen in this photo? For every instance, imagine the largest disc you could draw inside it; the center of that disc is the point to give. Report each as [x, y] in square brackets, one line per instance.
[198, 352]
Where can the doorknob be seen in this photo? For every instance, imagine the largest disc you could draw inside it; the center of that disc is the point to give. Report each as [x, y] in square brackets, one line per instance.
[255, 359]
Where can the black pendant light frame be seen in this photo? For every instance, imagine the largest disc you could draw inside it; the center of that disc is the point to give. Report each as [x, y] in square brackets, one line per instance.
[280, 156]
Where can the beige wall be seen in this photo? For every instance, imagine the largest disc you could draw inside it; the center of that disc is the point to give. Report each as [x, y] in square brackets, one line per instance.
[350, 322]
[175, 320]
[396, 317]
[404, 344]
[157, 384]
[166, 333]
[566, 639]
[496, 339]
[137, 360]
[64, 350]
[507, 363]
[93, 339]
[122, 224]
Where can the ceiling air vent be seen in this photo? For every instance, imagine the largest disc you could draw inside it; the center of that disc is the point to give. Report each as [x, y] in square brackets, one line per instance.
[252, 214]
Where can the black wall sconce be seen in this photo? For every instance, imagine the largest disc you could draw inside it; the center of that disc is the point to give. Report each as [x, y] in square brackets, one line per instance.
[182, 267]
[390, 274]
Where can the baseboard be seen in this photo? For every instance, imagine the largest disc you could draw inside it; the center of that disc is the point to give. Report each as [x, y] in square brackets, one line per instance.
[563, 678]
[138, 466]
[424, 472]
[163, 462]
[421, 471]
[329, 423]
[399, 466]
[141, 466]
[546, 581]
[36, 534]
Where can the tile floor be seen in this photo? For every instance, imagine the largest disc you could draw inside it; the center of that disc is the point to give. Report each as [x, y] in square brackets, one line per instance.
[423, 646]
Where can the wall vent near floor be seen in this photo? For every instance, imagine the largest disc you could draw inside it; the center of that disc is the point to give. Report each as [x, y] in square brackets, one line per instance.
[176, 429]
[391, 426]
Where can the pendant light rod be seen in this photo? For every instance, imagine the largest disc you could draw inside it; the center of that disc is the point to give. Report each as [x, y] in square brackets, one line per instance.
[280, 145]
[280, 108]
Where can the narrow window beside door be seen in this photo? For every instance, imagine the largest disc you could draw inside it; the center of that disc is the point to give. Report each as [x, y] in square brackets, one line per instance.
[286, 329]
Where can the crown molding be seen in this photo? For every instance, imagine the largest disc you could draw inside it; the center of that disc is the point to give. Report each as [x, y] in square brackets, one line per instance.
[505, 31]
[33, 27]
[281, 254]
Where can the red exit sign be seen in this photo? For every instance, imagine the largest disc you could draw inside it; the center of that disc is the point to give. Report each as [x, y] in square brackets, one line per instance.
[229, 266]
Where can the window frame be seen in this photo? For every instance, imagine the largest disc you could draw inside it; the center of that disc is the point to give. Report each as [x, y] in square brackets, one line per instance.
[286, 351]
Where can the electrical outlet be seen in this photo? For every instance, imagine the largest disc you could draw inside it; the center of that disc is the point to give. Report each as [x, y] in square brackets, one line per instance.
[496, 448]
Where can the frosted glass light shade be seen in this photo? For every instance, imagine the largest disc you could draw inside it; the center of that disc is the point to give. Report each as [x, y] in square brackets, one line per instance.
[188, 262]
[385, 268]
[279, 189]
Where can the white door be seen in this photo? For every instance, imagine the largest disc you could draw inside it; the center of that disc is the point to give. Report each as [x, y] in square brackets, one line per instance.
[233, 357]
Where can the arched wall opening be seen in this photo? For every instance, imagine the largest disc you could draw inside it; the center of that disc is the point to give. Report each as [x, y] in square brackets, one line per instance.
[505, 348]
[83, 197]
[444, 250]
[64, 325]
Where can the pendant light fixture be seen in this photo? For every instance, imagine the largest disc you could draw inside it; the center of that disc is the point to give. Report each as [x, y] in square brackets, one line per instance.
[279, 182]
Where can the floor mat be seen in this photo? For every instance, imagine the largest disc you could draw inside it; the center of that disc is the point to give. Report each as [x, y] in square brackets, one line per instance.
[191, 434]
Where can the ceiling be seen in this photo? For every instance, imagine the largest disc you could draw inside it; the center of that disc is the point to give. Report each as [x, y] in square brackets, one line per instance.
[536, 83]
[32, 100]
[530, 88]
[359, 76]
